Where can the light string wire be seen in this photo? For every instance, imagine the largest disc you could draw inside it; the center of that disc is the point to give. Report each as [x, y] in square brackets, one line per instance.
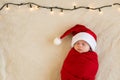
[31, 4]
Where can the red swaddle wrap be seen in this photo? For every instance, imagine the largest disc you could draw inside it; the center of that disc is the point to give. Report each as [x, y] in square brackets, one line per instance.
[80, 66]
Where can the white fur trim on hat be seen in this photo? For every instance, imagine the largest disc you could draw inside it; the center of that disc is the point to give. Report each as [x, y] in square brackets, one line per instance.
[86, 37]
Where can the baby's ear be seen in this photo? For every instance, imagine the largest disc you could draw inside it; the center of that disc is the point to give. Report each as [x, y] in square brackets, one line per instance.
[90, 49]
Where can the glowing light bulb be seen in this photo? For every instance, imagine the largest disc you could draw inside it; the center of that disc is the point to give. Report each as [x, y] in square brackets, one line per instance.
[7, 8]
[36, 7]
[61, 13]
[31, 9]
[19, 6]
[100, 13]
[52, 12]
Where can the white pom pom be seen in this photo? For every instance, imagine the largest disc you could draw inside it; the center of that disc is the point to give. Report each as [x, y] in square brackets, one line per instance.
[57, 41]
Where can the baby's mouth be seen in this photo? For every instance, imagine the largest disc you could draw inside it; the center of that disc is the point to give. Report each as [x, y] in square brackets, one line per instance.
[79, 49]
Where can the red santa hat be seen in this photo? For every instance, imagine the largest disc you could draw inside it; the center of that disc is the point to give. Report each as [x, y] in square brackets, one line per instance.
[79, 32]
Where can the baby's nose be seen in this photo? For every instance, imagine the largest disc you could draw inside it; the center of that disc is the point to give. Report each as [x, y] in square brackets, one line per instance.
[80, 45]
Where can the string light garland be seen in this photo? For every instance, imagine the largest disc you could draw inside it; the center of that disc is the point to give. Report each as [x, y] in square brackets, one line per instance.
[31, 4]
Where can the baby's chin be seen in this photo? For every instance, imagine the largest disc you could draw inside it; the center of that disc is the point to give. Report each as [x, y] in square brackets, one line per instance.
[80, 51]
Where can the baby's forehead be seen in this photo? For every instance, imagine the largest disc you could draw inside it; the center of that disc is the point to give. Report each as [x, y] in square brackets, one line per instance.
[81, 41]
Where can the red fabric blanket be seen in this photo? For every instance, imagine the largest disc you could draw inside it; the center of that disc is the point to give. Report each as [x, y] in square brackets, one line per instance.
[80, 66]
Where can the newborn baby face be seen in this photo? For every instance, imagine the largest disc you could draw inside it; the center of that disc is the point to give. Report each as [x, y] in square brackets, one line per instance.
[81, 46]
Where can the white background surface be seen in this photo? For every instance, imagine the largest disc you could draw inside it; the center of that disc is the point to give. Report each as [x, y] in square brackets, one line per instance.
[26, 39]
